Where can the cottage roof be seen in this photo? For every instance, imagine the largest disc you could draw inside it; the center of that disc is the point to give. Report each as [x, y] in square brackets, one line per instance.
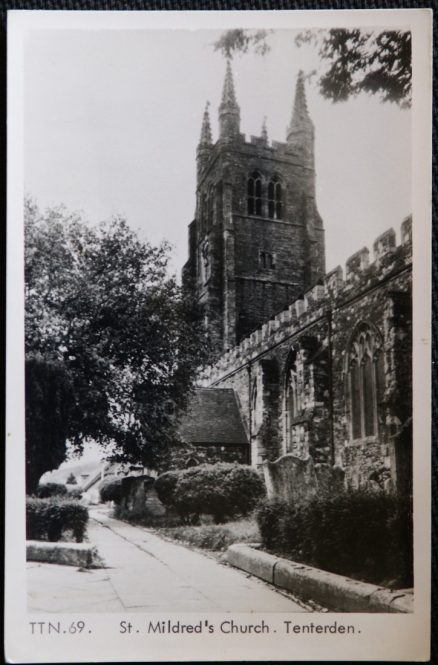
[213, 417]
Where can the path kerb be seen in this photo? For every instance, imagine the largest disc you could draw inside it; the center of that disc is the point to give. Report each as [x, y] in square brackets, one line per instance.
[82, 555]
[327, 589]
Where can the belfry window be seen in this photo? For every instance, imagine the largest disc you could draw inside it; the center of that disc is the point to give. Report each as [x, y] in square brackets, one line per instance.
[266, 260]
[255, 194]
[275, 199]
[364, 372]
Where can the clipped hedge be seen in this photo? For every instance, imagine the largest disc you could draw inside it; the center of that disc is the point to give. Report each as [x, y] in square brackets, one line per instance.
[165, 486]
[221, 490]
[111, 490]
[362, 534]
[46, 490]
[49, 519]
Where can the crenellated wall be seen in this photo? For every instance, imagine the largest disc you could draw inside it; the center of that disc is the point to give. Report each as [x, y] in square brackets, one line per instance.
[315, 338]
[360, 276]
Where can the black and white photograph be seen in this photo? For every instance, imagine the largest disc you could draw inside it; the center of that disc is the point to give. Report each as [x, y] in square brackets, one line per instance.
[218, 405]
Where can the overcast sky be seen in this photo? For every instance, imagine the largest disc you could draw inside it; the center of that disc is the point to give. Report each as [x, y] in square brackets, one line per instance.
[113, 117]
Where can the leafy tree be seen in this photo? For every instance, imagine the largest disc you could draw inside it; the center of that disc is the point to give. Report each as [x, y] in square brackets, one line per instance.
[48, 392]
[351, 61]
[102, 313]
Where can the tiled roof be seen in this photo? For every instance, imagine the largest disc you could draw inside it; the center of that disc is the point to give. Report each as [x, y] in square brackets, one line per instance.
[213, 417]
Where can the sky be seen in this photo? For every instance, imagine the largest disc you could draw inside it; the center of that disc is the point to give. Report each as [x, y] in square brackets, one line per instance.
[112, 119]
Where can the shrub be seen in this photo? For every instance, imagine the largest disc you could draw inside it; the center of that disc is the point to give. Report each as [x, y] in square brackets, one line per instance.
[48, 519]
[359, 533]
[45, 490]
[268, 518]
[111, 490]
[221, 490]
[165, 486]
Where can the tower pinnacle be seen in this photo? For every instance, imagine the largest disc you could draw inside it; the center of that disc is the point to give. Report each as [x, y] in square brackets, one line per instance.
[264, 130]
[205, 142]
[205, 139]
[229, 111]
[300, 133]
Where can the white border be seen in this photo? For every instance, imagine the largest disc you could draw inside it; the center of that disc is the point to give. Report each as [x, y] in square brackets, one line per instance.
[382, 637]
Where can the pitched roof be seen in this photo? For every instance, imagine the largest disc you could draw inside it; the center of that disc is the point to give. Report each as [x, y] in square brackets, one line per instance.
[213, 417]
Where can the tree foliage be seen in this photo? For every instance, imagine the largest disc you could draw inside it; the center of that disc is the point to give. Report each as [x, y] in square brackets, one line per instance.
[102, 313]
[48, 408]
[351, 61]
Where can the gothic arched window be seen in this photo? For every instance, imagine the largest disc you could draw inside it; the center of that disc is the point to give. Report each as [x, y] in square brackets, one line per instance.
[364, 376]
[255, 194]
[275, 199]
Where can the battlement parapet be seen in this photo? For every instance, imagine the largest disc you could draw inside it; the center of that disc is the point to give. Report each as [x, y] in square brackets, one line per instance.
[359, 275]
[259, 141]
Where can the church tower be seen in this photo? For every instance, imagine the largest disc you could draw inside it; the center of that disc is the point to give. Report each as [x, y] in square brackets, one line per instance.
[257, 240]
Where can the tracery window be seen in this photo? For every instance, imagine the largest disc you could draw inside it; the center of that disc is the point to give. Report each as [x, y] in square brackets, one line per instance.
[255, 203]
[275, 199]
[364, 372]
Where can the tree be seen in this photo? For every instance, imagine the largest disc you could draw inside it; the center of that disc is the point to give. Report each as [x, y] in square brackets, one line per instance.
[48, 391]
[102, 311]
[351, 61]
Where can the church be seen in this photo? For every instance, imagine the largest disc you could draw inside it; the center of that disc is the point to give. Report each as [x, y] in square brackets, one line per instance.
[316, 367]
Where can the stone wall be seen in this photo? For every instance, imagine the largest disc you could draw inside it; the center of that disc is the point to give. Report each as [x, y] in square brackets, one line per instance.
[294, 479]
[315, 338]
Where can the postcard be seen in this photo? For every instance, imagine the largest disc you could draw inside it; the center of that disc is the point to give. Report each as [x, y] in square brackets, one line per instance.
[218, 336]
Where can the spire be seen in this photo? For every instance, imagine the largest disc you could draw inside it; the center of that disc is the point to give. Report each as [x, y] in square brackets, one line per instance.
[264, 131]
[228, 92]
[229, 112]
[300, 115]
[206, 139]
[205, 144]
[300, 132]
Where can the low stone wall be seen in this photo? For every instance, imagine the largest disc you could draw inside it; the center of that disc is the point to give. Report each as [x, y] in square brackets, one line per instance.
[335, 592]
[66, 554]
[294, 479]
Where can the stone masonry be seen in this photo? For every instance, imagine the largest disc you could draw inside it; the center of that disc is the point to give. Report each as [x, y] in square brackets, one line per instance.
[320, 363]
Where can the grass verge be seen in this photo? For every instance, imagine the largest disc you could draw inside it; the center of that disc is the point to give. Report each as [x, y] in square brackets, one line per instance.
[214, 537]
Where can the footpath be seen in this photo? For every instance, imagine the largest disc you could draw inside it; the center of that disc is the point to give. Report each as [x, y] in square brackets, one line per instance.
[144, 573]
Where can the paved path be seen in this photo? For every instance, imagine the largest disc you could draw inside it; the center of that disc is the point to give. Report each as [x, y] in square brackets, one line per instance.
[145, 573]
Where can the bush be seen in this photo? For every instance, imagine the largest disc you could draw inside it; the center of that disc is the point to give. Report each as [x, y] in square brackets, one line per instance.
[111, 490]
[48, 519]
[362, 534]
[221, 490]
[45, 490]
[165, 486]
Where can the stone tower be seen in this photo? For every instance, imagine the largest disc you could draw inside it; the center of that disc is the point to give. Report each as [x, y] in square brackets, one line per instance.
[257, 240]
